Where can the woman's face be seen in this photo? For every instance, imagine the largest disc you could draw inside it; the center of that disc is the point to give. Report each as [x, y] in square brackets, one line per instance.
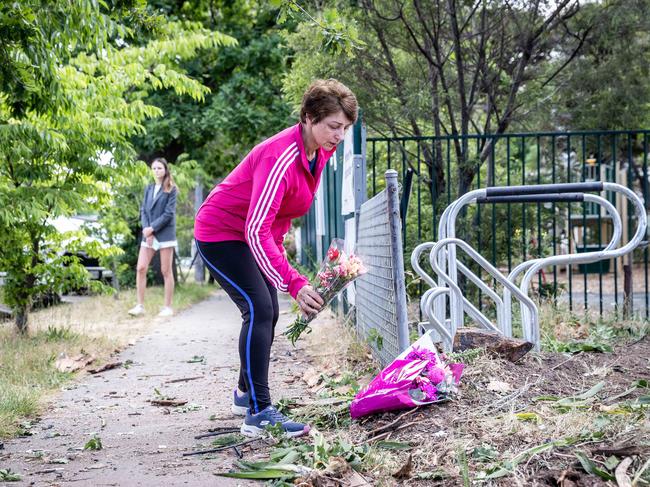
[158, 170]
[330, 130]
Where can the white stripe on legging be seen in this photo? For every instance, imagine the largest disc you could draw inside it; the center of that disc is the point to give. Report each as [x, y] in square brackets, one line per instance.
[261, 210]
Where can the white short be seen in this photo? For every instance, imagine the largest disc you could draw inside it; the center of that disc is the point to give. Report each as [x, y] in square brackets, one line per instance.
[159, 245]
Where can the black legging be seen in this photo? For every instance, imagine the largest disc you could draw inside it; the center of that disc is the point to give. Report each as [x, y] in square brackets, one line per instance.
[232, 265]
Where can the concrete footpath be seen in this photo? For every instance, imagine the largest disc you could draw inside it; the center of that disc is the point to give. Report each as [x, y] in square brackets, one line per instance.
[143, 443]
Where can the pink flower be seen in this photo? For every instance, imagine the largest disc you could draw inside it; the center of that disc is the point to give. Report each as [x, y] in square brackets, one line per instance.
[333, 253]
[456, 371]
[427, 387]
[422, 354]
[436, 375]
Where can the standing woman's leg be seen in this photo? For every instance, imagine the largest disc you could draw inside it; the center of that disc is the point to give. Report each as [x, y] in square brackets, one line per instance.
[166, 262]
[144, 259]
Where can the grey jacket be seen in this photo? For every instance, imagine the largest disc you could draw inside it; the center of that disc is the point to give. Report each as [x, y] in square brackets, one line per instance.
[159, 213]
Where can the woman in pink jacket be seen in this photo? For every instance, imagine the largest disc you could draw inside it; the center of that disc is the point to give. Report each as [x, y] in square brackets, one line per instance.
[240, 228]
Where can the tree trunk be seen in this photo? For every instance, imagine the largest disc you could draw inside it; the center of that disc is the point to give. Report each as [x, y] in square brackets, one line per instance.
[115, 282]
[22, 315]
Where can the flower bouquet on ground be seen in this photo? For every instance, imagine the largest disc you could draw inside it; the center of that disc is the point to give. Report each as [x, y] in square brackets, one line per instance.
[335, 273]
[420, 375]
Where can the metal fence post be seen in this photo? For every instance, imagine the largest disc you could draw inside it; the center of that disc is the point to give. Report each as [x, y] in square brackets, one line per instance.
[360, 188]
[397, 259]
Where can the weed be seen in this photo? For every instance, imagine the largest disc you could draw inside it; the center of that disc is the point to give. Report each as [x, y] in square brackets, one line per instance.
[467, 357]
[484, 453]
[188, 408]
[95, 443]
[197, 359]
[461, 459]
[6, 475]
[374, 338]
[225, 440]
[59, 334]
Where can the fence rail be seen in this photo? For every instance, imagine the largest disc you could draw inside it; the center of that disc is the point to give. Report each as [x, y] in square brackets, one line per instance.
[445, 167]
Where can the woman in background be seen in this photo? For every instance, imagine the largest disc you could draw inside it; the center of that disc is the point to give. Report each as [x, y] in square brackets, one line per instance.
[158, 219]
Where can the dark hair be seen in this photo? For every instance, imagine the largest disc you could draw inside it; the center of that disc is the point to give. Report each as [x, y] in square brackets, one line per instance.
[326, 97]
[168, 181]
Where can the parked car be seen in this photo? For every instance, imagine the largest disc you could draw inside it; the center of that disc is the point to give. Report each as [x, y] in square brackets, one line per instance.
[92, 265]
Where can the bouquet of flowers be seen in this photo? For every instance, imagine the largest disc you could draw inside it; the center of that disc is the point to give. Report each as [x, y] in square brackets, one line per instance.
[335, 273]
[418, 376]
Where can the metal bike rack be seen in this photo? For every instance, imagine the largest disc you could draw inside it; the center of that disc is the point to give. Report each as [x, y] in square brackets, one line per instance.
[469, 307]
[613, 243]
[635, 241]
[446, 267]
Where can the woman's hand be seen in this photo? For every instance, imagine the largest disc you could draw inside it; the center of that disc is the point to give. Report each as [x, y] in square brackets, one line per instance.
[147, 232]
[309, 300]
[150, 241]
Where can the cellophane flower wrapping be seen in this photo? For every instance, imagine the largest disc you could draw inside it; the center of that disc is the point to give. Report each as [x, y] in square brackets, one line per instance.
[336, 272]
[420, 375]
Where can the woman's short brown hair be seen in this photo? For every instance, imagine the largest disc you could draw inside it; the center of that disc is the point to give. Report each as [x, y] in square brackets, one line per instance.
[326, 97]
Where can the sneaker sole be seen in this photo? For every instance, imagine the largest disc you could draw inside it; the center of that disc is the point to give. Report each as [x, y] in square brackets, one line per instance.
[255, 432]
[238, 410]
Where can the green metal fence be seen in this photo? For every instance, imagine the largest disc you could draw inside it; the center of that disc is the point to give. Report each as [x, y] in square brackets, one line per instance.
[442, 168]
[315, 242]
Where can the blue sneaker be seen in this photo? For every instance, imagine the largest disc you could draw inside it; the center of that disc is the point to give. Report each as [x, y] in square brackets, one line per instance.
[239, 404]
[255, 424]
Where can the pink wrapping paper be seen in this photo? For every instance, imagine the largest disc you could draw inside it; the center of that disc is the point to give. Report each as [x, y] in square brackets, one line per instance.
[418, 376]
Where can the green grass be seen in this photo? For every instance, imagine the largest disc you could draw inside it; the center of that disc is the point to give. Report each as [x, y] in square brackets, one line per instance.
[28, 376]
[562, 330]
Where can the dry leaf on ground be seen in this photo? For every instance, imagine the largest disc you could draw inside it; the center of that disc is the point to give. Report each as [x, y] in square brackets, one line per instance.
[499, 386]
[70, 364]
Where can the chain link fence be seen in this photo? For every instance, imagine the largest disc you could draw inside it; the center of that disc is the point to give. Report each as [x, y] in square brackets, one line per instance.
[380, 295]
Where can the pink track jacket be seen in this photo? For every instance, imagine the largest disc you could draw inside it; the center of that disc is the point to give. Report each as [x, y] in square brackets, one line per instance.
[257, 201]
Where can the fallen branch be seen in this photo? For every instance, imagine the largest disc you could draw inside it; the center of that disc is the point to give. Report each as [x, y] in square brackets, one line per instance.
[392, 424]
[507, 399]
[567, 360]
[109, 366]
[222, 448]
[217, 432]
[184, 379]
[622, 451]
[387, 434]
[167, 402]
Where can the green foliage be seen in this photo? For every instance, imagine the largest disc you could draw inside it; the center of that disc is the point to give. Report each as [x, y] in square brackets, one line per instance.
[591, 467]
[375, 338]
[245, 104]
[95, 443]
[6, 475]
[336, 34]
[73, 88]
[607, 86]
[58, 334]
[288, 459]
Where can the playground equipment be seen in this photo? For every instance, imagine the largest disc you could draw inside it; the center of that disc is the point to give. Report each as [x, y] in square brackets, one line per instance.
[443, 261]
